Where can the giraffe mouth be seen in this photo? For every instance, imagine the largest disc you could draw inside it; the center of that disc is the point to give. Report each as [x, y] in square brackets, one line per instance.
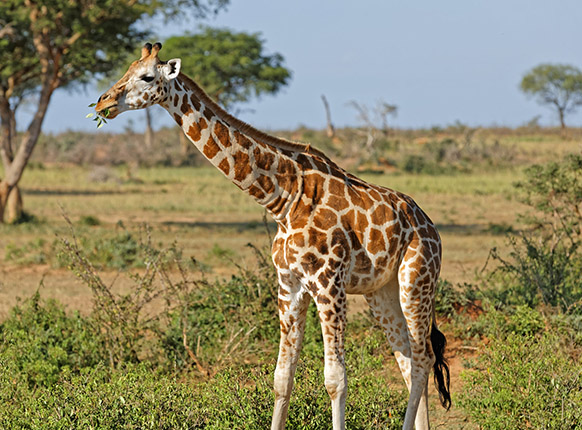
[109, 112]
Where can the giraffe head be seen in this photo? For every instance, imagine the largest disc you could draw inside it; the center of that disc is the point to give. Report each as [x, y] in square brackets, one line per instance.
[144, 84]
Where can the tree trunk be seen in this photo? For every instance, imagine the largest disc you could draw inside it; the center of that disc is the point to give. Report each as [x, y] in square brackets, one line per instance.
[562, 123]
[13, 168]
[330, 130]
[149, 134]
[14, 207]
[4, 194]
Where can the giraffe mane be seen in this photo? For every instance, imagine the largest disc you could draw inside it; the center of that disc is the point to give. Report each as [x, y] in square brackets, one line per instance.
[243, 127]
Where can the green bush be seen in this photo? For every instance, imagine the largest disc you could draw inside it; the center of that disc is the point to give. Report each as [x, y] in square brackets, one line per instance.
[101, 398]
[42, 342]
[524, 382]
[449, 298]
[137, 396]
[545, 263]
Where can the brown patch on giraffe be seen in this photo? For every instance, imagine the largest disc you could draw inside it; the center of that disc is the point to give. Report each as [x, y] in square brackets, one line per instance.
[195, 102]
[393, 230]
[363, 263]
[325, 219]
[298, 239]
[375, 195]
[208, 114]
[283, 306]
[361, 222]
[256, 192]
[178, 119]
[348, 220]
[221, 132]
[264, 159]
[312, 187]
[278, 253]
[300, 215]
[327, 315]
[176, 99]
[337, 203]
[320, 164]
[312, 288]
[194, 132]
[291, 255]
[380, 215]
[303, 161]
[277, 205]
[242, 140]
[339, 243]
[376, 242]
[321, 299]
[185, 108]
[242, 167]
[311, 263]
[211, 148]
[224, 165]
[286, 175]
[354, 196]
[266, 183]
[381, 262]
[336, 187]
[318, 240]
[366, 203]
[355, 240]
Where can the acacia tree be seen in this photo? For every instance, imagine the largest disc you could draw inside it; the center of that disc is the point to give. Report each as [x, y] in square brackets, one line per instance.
[232, 67]
[557, 85]
[50, 44]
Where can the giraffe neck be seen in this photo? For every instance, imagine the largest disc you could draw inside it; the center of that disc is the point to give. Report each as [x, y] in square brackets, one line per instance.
[248, 157]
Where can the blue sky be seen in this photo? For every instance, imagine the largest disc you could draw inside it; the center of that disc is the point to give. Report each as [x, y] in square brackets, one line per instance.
[438, 61]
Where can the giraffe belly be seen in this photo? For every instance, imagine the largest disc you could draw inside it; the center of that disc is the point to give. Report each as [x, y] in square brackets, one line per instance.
[358, 283]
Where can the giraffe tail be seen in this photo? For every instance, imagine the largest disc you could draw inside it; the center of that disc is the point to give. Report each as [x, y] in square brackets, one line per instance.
[442, 376]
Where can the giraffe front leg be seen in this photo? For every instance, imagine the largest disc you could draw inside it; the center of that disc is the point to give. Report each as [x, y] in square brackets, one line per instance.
[293, 304]
[332, 315]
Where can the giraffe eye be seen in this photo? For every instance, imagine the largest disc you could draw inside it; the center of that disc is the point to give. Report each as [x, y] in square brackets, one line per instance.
[147, 78]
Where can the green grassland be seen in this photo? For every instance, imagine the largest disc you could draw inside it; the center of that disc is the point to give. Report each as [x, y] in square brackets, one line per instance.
[463, 178]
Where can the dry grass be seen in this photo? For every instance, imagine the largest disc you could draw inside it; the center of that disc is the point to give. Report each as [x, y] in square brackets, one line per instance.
[202, 211]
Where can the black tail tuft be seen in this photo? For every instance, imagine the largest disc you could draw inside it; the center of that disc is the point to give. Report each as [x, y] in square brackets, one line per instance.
[442, 377]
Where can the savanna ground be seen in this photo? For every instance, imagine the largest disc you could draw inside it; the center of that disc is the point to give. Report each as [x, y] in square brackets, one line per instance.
[464, 179]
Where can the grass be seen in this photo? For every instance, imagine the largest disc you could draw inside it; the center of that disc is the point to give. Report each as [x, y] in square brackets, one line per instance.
[200, 209]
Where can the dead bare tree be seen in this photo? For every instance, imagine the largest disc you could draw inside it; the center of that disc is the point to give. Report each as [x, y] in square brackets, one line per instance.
[330, 130]
[374, 120]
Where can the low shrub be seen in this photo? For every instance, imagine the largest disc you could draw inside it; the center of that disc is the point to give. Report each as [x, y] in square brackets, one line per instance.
[42, 341]
[524, 382]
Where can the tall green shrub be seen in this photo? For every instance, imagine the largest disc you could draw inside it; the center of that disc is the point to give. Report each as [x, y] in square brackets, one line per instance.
[545, 263]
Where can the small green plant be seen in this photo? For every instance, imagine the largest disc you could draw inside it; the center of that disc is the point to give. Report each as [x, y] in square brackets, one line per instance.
[37, 251]
[89, 220]
[100, 117]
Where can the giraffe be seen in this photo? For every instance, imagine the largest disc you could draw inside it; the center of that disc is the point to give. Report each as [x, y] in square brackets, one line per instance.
[337, 235]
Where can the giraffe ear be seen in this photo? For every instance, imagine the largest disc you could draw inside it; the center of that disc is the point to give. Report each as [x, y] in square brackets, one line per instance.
[171, 69]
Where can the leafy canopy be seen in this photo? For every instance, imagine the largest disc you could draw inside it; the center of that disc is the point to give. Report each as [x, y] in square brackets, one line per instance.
[63, 40]
[70, 41]
[555, 84]
[231, 66]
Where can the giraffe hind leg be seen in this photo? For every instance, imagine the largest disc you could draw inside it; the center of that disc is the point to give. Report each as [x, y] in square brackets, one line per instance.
[417, 279]
[385, 306]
